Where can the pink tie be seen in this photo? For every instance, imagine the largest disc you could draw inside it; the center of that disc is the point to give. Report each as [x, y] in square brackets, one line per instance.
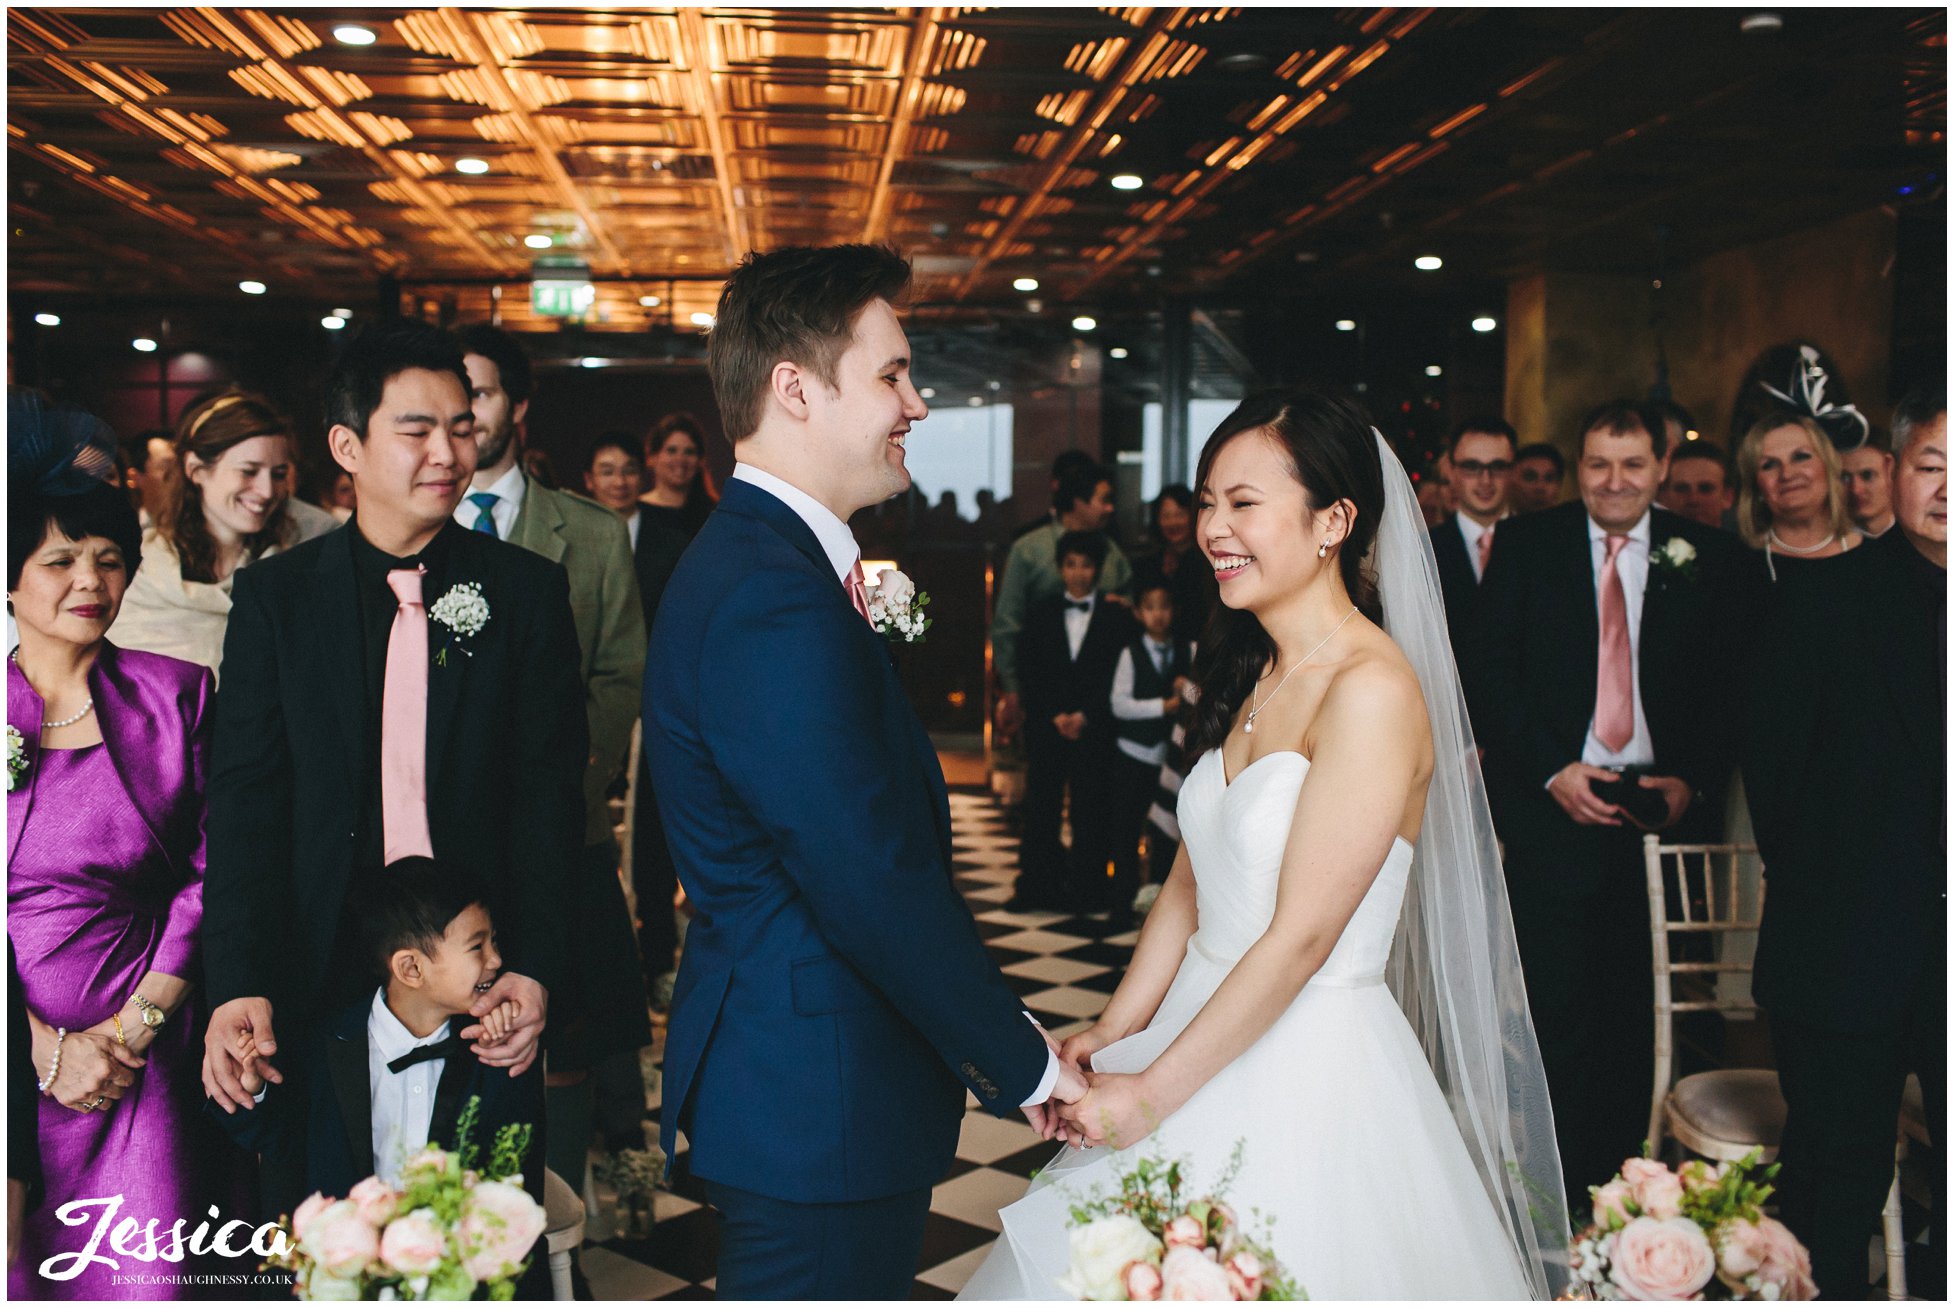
[403, 725]
[858, 590]
[1614, 683]
[1485, 550]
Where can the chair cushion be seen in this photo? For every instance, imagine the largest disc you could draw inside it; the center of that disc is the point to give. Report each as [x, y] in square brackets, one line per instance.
[1741, 1105]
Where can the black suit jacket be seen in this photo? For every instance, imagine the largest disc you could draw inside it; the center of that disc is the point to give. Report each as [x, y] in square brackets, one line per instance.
[1845, 768]
[1456, 582]
[1054, 682]
[506, 745]
[659, 547]
[1535, 640]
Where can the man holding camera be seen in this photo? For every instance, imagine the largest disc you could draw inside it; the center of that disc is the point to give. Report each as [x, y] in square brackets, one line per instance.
[1603, 654]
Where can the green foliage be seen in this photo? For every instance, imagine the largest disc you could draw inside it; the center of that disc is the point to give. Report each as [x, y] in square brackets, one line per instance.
[1740, 1195]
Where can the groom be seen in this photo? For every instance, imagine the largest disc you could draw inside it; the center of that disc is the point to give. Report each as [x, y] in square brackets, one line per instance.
[835, 1002]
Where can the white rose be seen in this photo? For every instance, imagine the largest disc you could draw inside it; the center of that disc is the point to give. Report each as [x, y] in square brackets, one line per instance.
[1100, 1252]
[1679, 550]
[1190, 1274]
[896, 587]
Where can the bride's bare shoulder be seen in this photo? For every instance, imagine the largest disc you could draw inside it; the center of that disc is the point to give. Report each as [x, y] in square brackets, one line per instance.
[1375, 690]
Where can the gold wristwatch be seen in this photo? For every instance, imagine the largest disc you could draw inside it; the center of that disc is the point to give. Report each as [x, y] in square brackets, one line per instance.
[152, 1016]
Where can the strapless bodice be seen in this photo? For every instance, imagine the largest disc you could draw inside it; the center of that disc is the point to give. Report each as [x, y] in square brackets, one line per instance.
[1236, 833]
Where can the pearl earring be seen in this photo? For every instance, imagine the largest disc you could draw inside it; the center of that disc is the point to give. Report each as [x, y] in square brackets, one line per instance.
[1323, 550]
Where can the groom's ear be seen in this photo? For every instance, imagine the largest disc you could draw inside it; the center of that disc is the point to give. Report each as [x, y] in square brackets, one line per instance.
[345, 445]
[788, 385]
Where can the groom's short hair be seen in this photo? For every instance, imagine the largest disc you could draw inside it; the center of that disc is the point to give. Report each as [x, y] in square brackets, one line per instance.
[796, 304]
[379, 353]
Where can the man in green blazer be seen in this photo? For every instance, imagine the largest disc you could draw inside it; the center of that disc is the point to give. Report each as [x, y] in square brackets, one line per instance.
[595, 1048]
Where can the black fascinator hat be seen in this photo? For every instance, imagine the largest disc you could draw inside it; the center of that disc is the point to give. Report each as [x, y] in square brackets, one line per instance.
[1801, 380]
[55, 449]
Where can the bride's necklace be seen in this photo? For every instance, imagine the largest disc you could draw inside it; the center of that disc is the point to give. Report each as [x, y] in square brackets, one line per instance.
[86, 709]
[1248, 724]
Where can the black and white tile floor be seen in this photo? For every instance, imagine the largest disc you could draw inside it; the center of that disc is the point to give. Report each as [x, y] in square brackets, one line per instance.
[1064, 968]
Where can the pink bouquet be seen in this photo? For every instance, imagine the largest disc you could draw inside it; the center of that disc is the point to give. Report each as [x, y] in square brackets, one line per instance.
[447, 1232]
[1147, 1242]
[1698, 1232]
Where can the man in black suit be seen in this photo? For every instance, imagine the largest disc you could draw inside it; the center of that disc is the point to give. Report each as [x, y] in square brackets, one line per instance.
[1845, 765]
[1482, 470]
[1067, 653]
[404, 645]
[1603, 651]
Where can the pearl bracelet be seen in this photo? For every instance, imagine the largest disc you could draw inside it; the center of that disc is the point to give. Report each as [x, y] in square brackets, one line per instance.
[54, 1063]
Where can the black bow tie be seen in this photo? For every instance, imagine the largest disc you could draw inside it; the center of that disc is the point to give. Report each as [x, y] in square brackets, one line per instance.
[1079, 606]
[441, 1049]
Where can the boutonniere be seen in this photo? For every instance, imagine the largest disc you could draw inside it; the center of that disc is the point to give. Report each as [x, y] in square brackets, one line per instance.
[16, 756]
[895, 608]
[1675, 558]
[464, 613]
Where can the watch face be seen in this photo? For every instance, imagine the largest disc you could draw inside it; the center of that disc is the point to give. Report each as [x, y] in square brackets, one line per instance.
[152, 1017]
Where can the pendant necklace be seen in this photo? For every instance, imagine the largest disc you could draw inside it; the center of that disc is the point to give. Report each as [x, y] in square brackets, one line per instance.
[1254, 708]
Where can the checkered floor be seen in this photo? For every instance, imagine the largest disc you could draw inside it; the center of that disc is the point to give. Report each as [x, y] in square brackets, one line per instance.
[1063, 967]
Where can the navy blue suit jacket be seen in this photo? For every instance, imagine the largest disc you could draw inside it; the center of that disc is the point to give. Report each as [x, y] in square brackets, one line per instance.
[834, 1000]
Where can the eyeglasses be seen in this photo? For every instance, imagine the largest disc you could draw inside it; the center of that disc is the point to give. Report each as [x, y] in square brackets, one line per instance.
[1474, 468]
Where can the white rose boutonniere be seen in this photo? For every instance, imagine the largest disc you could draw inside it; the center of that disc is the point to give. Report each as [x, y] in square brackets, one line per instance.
[16, 756]
[895, 607]
[1674, 560]
[464, 612]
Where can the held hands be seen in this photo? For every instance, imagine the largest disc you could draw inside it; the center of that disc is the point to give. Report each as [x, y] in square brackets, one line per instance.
[1044, 1118]
[1115, 1111]
[239, 1039]
[516, 1006]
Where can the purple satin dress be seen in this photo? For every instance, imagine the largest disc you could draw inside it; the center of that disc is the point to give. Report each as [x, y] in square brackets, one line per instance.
[93, 904]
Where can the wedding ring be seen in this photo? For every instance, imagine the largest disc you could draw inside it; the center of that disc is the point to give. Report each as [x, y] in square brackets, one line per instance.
[93, 1104]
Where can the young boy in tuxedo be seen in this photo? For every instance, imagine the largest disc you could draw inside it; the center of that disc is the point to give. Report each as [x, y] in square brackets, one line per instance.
[1066, 655]
[1150, 683]
[380, 1078]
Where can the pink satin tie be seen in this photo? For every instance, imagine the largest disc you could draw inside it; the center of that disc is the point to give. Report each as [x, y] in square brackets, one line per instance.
[1614, 683]
[858, 590]
[403, 725]
[1485, 550]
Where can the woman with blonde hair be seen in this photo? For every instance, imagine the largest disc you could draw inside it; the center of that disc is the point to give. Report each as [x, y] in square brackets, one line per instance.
[1790, 502]
[232, 506]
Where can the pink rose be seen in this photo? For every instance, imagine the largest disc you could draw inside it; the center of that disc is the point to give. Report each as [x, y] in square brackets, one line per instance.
[1767, 1250]
[413, 1245]
[1187, 1274]
[1662, 1258]
[1641, 1169]
[1141, 1282]
[340, 1240]
[499, 1223]
[1699, 1175]
[1611, 1204]
[1223, 1225]
[1186, 1230]
[1659, 1194]
[1740, 1249]
[1245, 1272]
[375, 1200]
[307, 1212]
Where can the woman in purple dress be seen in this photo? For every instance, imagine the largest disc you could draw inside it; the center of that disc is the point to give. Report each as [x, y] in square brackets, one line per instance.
[105, 849]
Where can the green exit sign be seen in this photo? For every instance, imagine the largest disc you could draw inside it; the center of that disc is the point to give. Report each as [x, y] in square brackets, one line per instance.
[562, 299]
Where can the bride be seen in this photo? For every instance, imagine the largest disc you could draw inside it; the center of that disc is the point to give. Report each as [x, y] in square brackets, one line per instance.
[1329, 976]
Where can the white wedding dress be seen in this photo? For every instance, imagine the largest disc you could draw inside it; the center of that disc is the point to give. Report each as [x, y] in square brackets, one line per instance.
[1354, 1170]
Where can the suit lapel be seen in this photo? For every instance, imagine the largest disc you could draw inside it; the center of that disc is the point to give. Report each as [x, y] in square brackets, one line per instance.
[346, 1064]
[466, 557]
[539, 524]
[335, 632]
[1906, 651]
[1584, 616]
[448, 1099]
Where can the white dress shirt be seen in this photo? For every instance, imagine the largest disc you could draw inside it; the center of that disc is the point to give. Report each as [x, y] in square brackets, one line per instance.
[508, 490]
[1472, 531]
[1632, 566]
[1129, 709]
[838, 543]
[403, 1102]
[631, 525]
[1077, 620]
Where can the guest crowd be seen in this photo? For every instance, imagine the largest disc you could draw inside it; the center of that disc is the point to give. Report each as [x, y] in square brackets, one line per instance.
[220, 695]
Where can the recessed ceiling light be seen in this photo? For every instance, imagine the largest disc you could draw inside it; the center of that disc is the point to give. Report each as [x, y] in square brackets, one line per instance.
[1127, 181]
[538, 241]
[1025, 284]
[473, 167]
[976, 401]
[1433, 370]
[347, 314]
[1346, 324]
[1692, 435]
[928, 392]
[1428, 263]
[589, 361]
[1117, 352]
[702, 320]
[1084, 323]
[144, 344]
[994, 385]
[252, 288]
[1484, 324]
[48, 319]
[332, 322]
[649, 301]
[1760, 24]
[354, 34]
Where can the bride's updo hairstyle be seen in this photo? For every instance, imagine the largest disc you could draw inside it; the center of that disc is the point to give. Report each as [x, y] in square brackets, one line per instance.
[1333, 456]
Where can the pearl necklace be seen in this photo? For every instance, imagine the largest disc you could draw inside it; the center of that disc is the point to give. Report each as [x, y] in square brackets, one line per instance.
[1773, 539]
[86, 709]
[1248, 725]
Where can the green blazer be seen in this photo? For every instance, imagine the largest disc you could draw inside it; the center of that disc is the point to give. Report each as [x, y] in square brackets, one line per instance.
[595, 549]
